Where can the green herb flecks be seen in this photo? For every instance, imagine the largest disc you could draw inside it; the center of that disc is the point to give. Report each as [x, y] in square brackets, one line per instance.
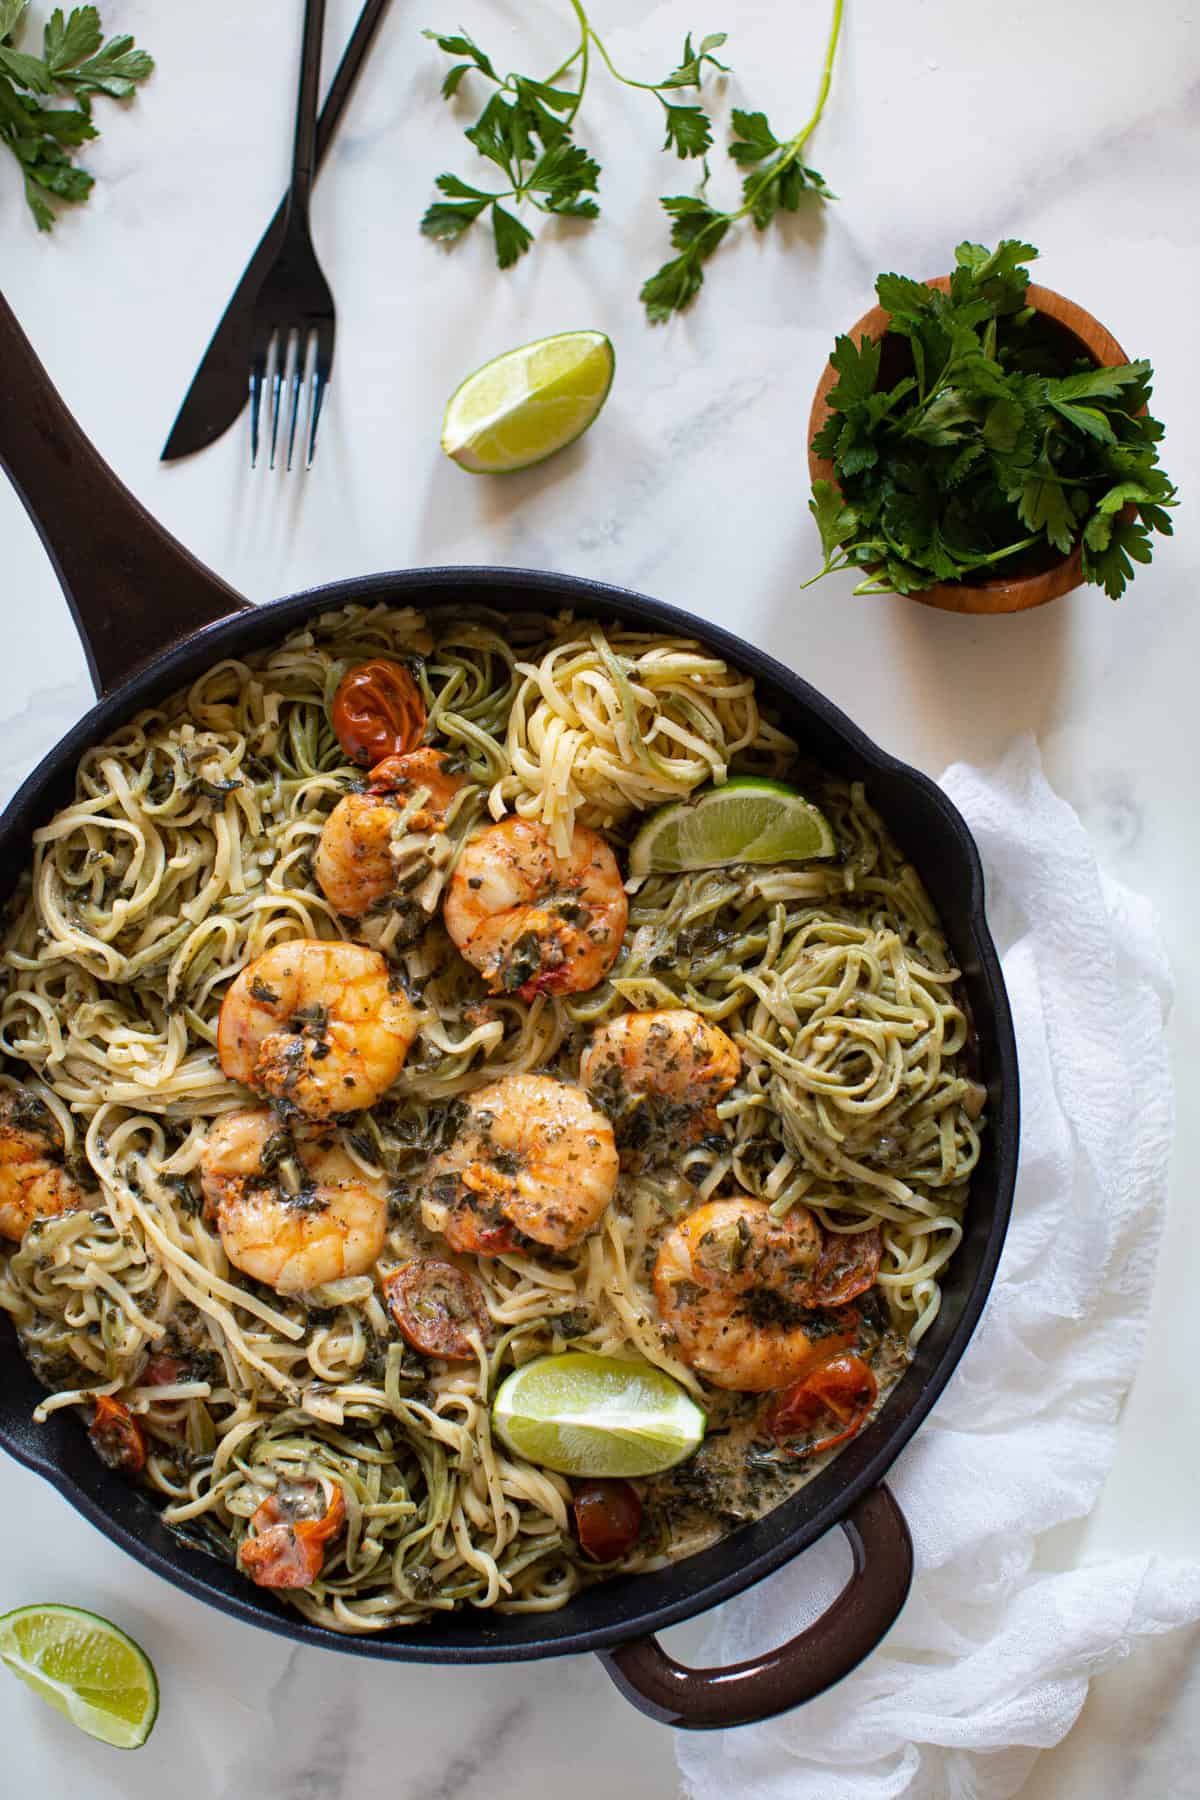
[76, 64]
[977, 434]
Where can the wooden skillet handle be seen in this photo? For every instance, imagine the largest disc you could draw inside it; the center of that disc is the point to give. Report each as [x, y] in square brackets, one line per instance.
[863, 1613]
[132, 588]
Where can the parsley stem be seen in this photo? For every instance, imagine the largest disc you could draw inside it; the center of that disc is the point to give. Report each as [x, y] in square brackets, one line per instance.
[794, 146]
[563, 66]
[647, 87]
[826, 78]
[583, 53]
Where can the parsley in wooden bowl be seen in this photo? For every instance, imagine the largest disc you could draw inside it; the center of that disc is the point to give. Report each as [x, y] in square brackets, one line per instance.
[983, 445]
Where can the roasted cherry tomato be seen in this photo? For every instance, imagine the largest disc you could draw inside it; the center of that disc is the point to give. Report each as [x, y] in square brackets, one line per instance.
[160, 1371]
[608, 1517]
[436, 1307]
[823, 1408]
[378, 711]
[117, 1438]
[847, 1267]
[287, 1552]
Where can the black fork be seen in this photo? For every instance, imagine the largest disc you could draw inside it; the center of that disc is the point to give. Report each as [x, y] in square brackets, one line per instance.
[294, 303]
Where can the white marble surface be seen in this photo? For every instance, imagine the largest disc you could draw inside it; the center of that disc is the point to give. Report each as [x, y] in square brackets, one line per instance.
[947, 120]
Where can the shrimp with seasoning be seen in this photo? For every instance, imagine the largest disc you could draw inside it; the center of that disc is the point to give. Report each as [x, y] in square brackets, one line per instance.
[33, 1181]
[318, 1028]
[533, 1161]
[356, 860]
[658, 1075]
[292, 1208]
[734, 1288]
[531, 921]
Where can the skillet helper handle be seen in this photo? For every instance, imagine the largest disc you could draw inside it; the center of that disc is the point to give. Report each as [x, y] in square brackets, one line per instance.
[861, 1616]
[132, 588]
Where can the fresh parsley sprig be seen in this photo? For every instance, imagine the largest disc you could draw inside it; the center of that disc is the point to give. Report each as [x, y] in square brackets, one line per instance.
[526, 130]
[777, 179]
[76, 64]
[996, 440]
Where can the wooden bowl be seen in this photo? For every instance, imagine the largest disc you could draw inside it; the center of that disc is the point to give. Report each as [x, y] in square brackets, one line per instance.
[996, 594]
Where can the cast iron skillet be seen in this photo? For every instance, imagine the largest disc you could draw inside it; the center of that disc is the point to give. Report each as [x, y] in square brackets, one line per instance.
[152, 618]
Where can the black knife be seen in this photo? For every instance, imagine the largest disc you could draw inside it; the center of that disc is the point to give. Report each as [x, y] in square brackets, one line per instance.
[221, 385]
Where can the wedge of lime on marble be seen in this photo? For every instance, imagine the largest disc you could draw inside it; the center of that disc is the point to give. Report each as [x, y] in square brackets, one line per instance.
[747, 820]
[581, 1414]
[523, 406]
[86, 1667]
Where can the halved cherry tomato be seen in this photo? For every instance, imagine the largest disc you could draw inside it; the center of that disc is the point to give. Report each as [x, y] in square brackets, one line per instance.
[378, 711]
[847, 1267]
[287, 1552]
[608, 1517]
[117, 1438]
[823, 1408]
[436, 1306]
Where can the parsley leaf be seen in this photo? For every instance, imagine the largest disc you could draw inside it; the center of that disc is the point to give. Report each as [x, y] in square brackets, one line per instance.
[446, 222]
[997, 442]
[75, 64]
[82, 63]
[696, 230]
[562, 176]
[690, 72]
[689, 132]
[857, 367]
[753, 138]
[1044, 506]
[459, 44]
[512, 238]
[836, 521]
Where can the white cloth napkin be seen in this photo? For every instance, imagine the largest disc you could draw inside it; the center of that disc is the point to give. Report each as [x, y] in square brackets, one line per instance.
[991, 1658]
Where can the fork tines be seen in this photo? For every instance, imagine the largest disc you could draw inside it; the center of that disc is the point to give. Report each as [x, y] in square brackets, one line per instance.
[282, 356]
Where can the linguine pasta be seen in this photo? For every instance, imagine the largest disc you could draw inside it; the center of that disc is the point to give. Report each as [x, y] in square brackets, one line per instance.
[187, 851]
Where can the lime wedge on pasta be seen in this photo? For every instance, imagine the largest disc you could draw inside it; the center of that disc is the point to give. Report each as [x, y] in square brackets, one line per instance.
[597, 1415]
[86, 1667]
[523, 406]
[747, 820]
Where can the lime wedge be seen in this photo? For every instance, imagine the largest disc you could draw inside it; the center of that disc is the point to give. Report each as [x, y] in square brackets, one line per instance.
[748, 820]
[86, 1667]
[523, 406]
[597, 1415]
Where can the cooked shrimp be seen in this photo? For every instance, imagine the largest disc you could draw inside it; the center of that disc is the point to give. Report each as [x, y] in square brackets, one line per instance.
[531, 921]
[658, 1076]
[732, 1284]
[33, 1181]
[292, 1208]
[355, 861]
[533, 1159]
[317, 1027]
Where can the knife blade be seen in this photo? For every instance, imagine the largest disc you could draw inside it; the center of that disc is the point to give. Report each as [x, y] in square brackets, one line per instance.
[221, 384]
